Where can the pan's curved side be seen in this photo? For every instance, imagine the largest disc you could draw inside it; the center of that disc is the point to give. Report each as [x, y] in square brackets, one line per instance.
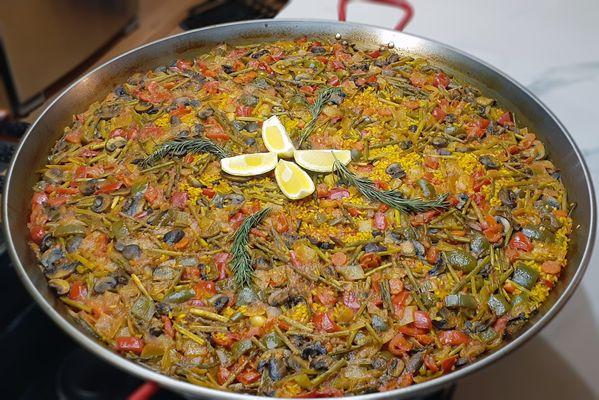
[47, 128]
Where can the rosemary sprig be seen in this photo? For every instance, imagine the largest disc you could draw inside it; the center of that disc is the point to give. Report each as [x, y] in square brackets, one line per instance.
[181, 147]
[241, 263]
[323, 97]
[392, 198]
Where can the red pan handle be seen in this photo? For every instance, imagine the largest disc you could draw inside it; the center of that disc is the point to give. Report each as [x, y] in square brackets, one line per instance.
[144, 392]
[403, 4]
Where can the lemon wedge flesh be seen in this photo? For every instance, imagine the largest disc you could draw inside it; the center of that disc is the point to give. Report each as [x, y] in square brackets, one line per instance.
[293, 181]
[275, 137]
[249, 164]
[321, 160]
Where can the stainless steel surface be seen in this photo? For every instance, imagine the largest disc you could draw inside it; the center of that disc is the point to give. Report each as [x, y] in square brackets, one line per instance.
[42, 40]
[94, 86]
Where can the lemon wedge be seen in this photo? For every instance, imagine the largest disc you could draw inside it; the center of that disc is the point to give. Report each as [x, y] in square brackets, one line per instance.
[275, 137]
[294, 182]
[321, 160]
[249, 164]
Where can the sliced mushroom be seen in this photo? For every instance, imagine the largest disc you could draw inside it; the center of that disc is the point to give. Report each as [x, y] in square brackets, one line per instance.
[60, 286]
[131, 251]
[173, 236]
[395, 171]
[101, 203]
[61, 270]
[115, 143]
[104, 284]
[142, 107]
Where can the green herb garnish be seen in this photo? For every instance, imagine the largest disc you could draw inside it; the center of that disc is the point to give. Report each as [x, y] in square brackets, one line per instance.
[181, 147]
[323, 97]
[392, 198]
[241, 263]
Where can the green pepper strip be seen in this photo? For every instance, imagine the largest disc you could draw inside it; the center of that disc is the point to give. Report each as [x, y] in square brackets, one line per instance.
[472, 273]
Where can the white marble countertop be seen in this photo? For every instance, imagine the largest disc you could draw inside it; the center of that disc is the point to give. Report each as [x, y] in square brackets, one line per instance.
[551, 46]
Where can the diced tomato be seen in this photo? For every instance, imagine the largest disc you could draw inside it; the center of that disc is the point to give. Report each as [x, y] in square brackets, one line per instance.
[152, 193]
[181, 110]
[324, 323]
[248, 376]
[338, 259]
[190, 273]
[381, 185]
[439, 114]
[353, 211]
[370, 260]
[73, 137]
[168, 326]
[395, 286]
[418, 78]
[338, 193]
[422, 320]
[505, 119]
[500, 325]
[399, 345]
[39, 198]
[129, 343]
[410, 330]
[204, 289]
[179, 199]
[294, 259]
[58, 200]
[67, 190]
[220, 261]
[222, 375]
[423, 218]
[493, 230]
[209, 192]
[432, 255]
[211, 87]
[431, 162]
[78, 291]
[155, 93]
[326, 296]
[322, 190]
[258, 232]
[429, 362]
[321, 393]
[406, 379]
[223, 339]
[243, 111]
[398, 303]
[519, 241]
[448, 363]
[280, 223]
[351, 300]
[37, 233]
[109, 187]
[551, 267]
[476, 129]
[374, 54]
[380, 221]
[337, 65]
[453, 338]
[236, 219]
[441, 79]
[184, 64]
[333, 81]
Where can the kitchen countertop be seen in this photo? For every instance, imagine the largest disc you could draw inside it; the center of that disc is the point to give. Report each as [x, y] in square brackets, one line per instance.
[551, 47]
